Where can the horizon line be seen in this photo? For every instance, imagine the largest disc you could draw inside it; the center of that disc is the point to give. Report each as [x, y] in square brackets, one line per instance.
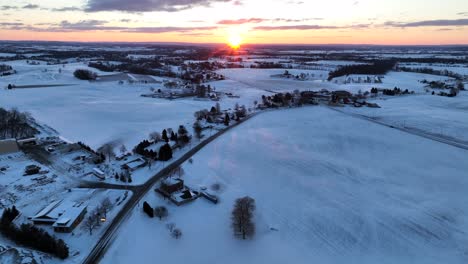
[224, 44]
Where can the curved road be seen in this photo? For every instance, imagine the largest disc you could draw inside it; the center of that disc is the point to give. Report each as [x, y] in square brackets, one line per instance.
[139, 191]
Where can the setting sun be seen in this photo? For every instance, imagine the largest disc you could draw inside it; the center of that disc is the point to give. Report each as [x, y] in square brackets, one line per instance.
[235, 41]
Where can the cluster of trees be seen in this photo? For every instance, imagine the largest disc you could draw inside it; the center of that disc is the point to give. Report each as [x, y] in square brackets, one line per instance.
[30, 236]
[14, 124]
[141, 149]
[86, 75]
[267, 65]
[203, 91]
[100, 156]
[208, 115]
[453, 92]
[279, 99]
[432, 71]
[436, 84]
[197, 129]
[175, 232]
[149, 67]
[6, 70]
[124, 176]
[200, 72]
[393, 92]
[165, 152]
[376, 68]
[4, 67]
[101, 66]
[183, 135]
[94, 217]
[242, 217]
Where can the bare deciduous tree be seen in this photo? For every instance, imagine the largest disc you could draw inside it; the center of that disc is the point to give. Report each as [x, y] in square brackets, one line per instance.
[242, 217]
[108, 150]
[106, 206]
[178, 171]
[161, 212]
[176, 233]
[171, 227]
[123, 149]
[89, 224]
[155, 136]
[197, 129]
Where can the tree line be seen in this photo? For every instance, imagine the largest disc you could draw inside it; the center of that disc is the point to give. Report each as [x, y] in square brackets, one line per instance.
[14, 124]
[85, 75]
[30, 236]
[375, 68]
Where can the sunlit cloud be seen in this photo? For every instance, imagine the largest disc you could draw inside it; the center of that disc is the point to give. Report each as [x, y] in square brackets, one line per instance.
[430, 23]
[146, 5]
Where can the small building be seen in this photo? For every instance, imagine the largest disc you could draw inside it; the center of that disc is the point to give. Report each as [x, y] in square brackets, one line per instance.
[135, 164]
[8, 146]
[27, 142]
[99, 173]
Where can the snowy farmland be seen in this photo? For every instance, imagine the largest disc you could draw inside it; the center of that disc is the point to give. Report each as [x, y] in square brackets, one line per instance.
[430, 113]
[337, 189]
[99, 113]
[263, 80]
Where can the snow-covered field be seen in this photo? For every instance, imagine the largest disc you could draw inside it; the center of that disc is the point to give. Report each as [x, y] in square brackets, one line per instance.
[99, 113]
[263, 80]
[457, 68]
[337, 189]
[430, 113]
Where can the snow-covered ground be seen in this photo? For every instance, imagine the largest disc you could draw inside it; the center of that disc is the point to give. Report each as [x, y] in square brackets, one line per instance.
[99, 113]
[336, 188]
[262, 79]
[447, 116]
[455, 68]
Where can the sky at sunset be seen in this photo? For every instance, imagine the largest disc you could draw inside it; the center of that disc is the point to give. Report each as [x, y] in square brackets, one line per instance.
[254, 21]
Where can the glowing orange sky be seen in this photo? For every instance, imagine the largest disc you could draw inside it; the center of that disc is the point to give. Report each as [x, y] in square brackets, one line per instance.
[256, 21]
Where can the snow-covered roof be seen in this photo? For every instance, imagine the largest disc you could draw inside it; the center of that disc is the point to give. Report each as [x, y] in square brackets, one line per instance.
[69, 216]
[172, 181]
[135, 163]
[98, 171]
[44, 212]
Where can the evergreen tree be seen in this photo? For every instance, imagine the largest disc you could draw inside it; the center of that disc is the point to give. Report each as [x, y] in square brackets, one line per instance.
[226, 120]
[164, 135]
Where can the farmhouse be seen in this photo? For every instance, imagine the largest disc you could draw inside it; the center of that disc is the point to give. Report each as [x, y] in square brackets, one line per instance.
[63, 216]
[177, 192]
[171, 186]
[8, 146]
